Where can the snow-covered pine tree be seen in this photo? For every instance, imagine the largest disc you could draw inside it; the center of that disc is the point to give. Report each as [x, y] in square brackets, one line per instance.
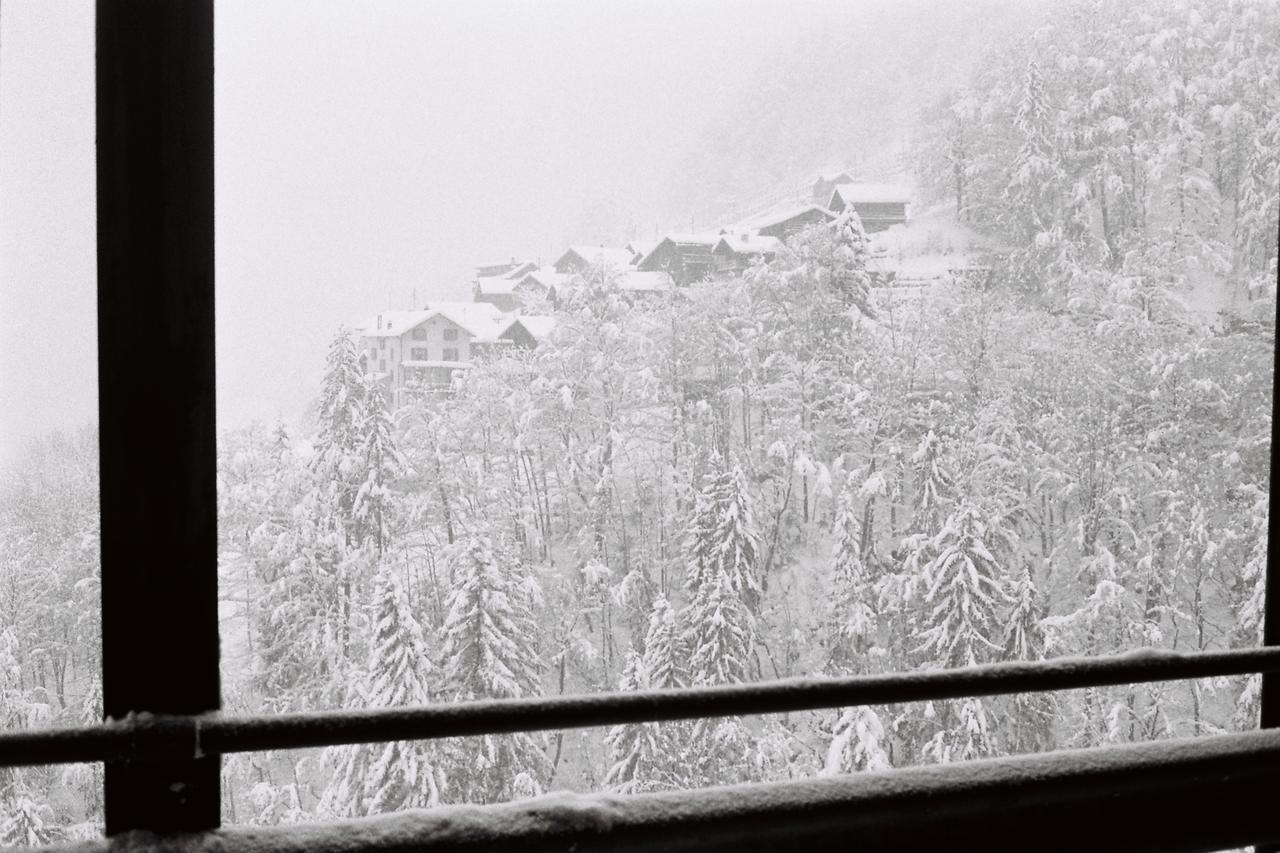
[849, 276]
[27, 822]
[853, 617]
[652, 756]
[722, 539]
[635, 749]
[965, 592]
[664, 649]
[858, 743]
[490, 652]
[383, 777]
[381, 463]
[342, 420]
[1030, 714]
[934, 482]
[964, 597]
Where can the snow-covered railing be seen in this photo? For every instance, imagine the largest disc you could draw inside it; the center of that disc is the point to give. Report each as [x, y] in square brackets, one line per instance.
[1181, 795]
[161, 738]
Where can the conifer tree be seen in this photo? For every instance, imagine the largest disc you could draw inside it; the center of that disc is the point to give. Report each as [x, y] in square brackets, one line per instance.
[342, 419]
[652, 756]
[849, 276]
[857, 743]
[635, 749]
[490, 652]
[377, 778]
[964, 591]
[853, 619]
[382, 462]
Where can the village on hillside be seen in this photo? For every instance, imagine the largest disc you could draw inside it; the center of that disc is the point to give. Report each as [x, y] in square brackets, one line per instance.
[515, 302]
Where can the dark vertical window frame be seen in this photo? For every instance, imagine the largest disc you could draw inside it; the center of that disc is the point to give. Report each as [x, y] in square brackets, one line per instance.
[1270, 693]
[154, 67]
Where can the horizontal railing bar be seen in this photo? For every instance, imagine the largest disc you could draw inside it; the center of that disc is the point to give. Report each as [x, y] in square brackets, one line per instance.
[1175, 796]
[184, 737]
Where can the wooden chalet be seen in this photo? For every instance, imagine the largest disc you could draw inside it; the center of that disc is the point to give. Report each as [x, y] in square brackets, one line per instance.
[735, 252]
[879, 206]
[685, 257]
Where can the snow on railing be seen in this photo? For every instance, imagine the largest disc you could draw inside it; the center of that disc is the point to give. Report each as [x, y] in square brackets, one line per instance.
[1179, 795]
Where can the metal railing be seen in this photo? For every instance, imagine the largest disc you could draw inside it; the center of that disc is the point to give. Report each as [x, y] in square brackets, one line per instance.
[148, 737]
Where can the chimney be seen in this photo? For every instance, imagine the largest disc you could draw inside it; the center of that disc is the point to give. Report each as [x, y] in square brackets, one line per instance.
[379, 322]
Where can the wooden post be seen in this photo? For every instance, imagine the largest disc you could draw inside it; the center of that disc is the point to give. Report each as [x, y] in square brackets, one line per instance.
[156, 395]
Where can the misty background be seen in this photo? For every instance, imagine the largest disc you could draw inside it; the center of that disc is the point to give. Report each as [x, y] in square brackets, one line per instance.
[370, 154]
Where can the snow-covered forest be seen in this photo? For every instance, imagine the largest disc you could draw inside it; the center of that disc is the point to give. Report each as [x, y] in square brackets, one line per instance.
[787, 473]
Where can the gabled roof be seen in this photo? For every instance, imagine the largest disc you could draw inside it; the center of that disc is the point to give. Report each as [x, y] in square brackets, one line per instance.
[704, 241]
[500, 268]
[739, 243]
[546, 277]
[539, 326]
[495, 285]
[481, 319]
[521, 269]
[608, 255]
[870, 194]
[785, 214]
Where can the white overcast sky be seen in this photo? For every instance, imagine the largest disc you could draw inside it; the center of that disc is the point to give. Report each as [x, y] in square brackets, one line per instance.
[365, 151]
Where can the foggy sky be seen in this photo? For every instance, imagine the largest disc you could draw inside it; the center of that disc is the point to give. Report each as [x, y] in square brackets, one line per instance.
[366, 152]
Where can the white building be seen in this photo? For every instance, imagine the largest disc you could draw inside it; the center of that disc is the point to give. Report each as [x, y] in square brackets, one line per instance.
[426, 348]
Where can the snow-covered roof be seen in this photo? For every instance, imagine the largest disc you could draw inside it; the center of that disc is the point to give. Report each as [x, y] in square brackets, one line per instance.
[521, 269]
[781, 215]
[871, 194]
[748, 244]
[481, 319]
[706, 240]
[539, 326]
[608, 255]
[546, 277]
[495, 285]
[835, 175]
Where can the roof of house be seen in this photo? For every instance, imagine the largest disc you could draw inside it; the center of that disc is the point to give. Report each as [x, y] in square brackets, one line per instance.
[609, 255]
[705, 240]
[546, 277]
[852, 193]
[495, 285]
[481, 319]
[748, 244]
[784, 214]
[539, 326]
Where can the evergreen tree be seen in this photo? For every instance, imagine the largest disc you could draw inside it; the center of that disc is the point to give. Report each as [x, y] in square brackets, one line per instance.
[343, 415]
[853, 618]
[382, 462]
[964, 591]
[857, 743]
[636, 756]
[723, 540]
[377, 778]
[490, 652]
[849, 276]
